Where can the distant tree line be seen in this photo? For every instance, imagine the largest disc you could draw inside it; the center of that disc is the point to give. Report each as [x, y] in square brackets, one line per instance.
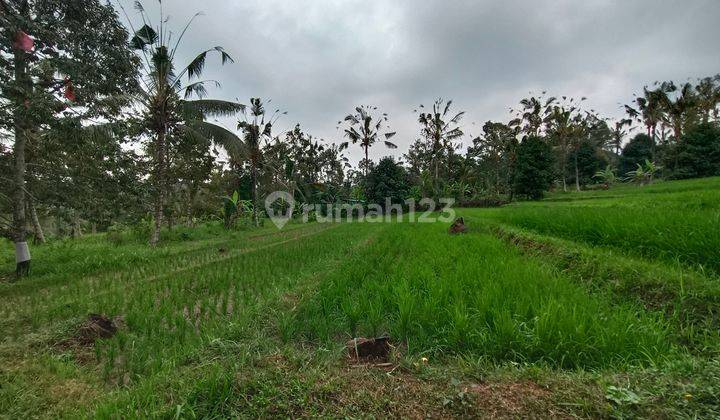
[101, 128]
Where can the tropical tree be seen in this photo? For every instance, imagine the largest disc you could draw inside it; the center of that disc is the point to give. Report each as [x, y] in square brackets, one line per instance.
[619, 132]
[57, 58]
[494, 153]
[440, 128]
[698, 155]
[534, 168]
[708, 97]
[365, 127]
[649, 112]
[529, 118]
[680, 108]
[562, 120]
[255, 129]
[168, 113]
[386, 181]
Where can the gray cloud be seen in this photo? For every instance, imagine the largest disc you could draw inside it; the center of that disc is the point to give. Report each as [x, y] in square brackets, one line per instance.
[319, 59]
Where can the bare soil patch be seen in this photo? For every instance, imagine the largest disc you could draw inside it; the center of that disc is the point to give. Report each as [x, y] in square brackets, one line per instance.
[94, 328]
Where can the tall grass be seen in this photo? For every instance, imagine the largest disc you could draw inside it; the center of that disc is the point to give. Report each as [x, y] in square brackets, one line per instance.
[474, 295]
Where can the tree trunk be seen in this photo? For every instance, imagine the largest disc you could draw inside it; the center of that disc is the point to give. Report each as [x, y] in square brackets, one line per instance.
[652, 143]
[256, 207]
[367, 160]
[160, 187]
[563, 162]
[677, 128]
[563, 170]
[39, 235]
[22, 128]
[577, 173]
[76, 228]
[189, 209]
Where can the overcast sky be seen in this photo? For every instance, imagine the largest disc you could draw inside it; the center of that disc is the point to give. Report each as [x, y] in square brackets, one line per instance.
[318, 59]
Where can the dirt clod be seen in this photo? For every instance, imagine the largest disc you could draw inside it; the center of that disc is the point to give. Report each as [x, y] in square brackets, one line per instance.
[369, 349]
[95, 327]
[458, 226]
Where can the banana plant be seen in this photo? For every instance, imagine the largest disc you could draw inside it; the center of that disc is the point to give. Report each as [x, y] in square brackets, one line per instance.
[644, 174]
[233, 207]
[607, 176]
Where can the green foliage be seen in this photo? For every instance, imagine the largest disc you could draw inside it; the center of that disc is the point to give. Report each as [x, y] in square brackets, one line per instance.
[534, 168]
[590, 160]
[387, 179]
[644, 174]
[607, 176]
[698, 154]
[636, 152]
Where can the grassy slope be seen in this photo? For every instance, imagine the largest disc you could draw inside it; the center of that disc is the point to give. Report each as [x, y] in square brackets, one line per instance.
[531, 312]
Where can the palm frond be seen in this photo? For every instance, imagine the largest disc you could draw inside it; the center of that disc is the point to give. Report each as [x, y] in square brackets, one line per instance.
[218, 135]
[195, 68]
[143, 37]
[213, 107]
[224, 57]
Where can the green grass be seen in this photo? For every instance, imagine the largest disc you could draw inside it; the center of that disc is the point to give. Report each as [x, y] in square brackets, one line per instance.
[595, 304]
[663, 221]
[472, 294]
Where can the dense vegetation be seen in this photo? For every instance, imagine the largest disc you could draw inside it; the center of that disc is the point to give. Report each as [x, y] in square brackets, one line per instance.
[125, 138]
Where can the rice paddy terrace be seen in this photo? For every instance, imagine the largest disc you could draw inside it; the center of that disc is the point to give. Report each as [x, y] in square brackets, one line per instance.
[592, 304]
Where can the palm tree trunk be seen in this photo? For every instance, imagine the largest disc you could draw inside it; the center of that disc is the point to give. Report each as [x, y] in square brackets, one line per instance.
[19, 229]
[652, 137]
[39, 235]
[367, 160]
[160, 187]
[253, 175]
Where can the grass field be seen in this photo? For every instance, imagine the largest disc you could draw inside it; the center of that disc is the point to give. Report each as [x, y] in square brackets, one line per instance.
[593, 304]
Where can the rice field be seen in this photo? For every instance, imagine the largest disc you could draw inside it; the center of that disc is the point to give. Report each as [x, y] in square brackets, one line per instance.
[594, 304]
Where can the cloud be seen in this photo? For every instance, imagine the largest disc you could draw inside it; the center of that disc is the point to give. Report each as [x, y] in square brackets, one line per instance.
[319, 59]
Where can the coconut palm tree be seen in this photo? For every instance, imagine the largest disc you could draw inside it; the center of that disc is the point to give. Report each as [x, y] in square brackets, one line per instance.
[679, 108]
[256, 129]
[649, 112]
[365, 127]
[168, 114]
[561, 122]
[708, 97]
[440, 128]
[619, 133]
